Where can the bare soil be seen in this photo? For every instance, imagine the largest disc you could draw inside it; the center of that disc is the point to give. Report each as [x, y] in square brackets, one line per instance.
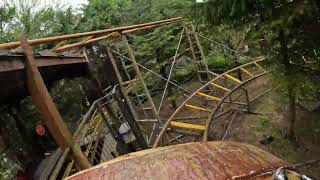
[251, 128]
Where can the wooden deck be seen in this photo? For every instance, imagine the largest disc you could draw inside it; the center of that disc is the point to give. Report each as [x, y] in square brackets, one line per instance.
[52, 68]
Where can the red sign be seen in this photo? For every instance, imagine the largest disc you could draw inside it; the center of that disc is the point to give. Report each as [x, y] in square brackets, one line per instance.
[40, 129]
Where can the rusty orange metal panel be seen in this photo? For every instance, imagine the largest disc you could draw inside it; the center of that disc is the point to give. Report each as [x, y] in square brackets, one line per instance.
[209, 160]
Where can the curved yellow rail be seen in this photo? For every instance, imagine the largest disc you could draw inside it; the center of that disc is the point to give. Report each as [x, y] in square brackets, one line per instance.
[226, 84]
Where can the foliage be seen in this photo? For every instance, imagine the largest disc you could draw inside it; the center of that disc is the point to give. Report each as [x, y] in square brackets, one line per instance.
[290, 27]
[7, 13]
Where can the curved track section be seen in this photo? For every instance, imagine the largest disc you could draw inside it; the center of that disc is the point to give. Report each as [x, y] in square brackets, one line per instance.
[217, 98]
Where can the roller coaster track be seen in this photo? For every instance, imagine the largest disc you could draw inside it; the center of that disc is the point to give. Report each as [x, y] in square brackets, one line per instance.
[206, 107]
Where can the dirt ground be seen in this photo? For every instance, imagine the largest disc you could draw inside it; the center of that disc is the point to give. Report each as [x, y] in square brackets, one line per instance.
[251, 128]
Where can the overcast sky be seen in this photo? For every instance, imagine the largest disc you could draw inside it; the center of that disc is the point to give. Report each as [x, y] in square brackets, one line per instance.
[73, 3]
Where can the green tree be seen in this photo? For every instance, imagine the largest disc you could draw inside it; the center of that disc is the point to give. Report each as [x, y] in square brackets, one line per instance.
[291, 26]
[7, 13]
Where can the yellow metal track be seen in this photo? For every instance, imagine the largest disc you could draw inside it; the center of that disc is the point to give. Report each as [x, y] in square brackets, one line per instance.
[233, 79]
[247, 72]
[208, 96]
[197, 108]
[187, 126]
[220, 87]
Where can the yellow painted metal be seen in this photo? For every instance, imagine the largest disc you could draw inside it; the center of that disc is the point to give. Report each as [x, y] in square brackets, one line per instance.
[208, 96]
[221, 87]
[259, 66]
[187, 126]
[197, 108]
[233, 79]
[94, 125]
[68, 169]
[247, 72]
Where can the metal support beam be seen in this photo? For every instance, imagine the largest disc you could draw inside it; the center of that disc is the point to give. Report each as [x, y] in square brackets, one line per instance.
[47, 108]
[136, 68]
[123, 100]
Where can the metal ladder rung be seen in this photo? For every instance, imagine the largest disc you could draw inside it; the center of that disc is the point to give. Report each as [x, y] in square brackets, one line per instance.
[220, 87]
[147, 120]
[197, 108]
[247, 72]
[187, 126]
[147, 108]
[233, 79]
[140, 95]
[208, 96]
[128, 66]
[129, 82]
[259, 67]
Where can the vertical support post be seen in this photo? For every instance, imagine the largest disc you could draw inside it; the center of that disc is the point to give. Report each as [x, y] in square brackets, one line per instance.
[192, 49]
[130, 118]
[202, 61]
[239, 72]
[201, 51]
[123, 99]
[123, 149]
[47, 108]
[248, 100]
[136, 68]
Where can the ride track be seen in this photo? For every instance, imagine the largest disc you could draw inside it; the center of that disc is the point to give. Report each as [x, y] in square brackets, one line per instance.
[211, 107]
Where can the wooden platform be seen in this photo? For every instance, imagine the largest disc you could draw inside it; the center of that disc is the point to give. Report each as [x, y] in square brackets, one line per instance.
[52, 68]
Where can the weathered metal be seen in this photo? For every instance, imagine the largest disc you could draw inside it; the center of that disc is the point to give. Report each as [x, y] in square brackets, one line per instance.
[209, 160]
[35, 42]
[47, 108]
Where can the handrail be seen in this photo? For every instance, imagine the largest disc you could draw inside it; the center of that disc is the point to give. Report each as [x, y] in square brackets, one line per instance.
[84, 120]
[35, 42]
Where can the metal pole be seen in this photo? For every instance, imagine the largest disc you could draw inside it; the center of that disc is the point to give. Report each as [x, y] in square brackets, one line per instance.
[136, 68]
[171, 69]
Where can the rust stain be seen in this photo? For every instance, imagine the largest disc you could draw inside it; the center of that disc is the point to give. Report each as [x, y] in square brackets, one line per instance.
[210, 160]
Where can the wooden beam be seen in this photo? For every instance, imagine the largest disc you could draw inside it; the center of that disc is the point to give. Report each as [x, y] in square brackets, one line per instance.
[13, 63]
[47, 108]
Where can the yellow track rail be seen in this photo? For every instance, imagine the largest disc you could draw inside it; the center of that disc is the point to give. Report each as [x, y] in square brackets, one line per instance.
[211, 102]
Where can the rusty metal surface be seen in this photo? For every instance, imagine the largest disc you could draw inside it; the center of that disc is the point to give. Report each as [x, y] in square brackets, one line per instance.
[209, 160]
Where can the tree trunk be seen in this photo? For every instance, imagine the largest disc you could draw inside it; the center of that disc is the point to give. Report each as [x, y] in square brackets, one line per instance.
[292, 113]
[290, 82]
